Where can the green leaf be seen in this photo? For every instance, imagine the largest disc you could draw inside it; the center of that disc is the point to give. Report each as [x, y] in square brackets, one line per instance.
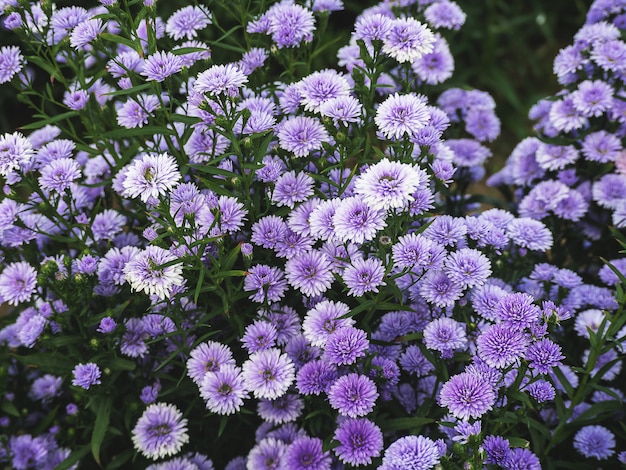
[118, 39]
[48, 362]
[50, 120]
[74, 457]
[120, 459]
[405, 423]
[102, 408]
[9, 408]
[518, 442]
[117, 363]
[139, 131]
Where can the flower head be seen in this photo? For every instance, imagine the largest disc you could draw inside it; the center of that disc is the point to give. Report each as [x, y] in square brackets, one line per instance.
[407, 39]
[359, 441]
[151, 176]
[411, 452]
[595, 442]
[353, 395]
[11, 62]
[268, 373]
[467, 395]
[402, 115]
[86, 375]
[18, 283]
[145, 272]
[161, 431]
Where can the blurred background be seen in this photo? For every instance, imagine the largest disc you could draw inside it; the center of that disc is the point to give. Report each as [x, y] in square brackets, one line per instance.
[506, 47]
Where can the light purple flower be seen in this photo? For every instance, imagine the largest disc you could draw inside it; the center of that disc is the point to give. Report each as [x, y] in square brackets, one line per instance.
[415, 452]
[267, 283]
[151, 176]
[268, 373]
[445, 335]
[595, 442]
[18, 282]
[310, 272]
[407, 39]
[345, 345]
[301, 135]
[86, 375]
[86, 32]
[363, 276]
[402, 115]
[223, 389]
[210, 356]
[11, 62]
[356, 221]
[445, 14]
[144, 272]
[220, 79]
[531, 234]
[292, 187]
[161, 65]
[161, 431]
[353, 395]
[187, 21]
[500, 345]
[467, 395]
[16, 152]
[359, 441]
[319, 87]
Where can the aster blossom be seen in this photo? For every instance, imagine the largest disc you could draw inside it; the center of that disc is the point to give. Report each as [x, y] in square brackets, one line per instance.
[268, 373]
[467, 395]
[301, 135]
[359, 439]
[220, 79]
[145, 272]
[151, 176]
[407, 39]
[160, 431]
[411, 452]
[16, 152]
[402, 115]
[18, 283]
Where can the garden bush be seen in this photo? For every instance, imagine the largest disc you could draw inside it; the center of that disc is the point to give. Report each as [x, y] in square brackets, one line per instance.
[237, 235]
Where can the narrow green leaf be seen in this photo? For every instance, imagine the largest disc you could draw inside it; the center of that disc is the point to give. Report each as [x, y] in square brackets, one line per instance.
[49, 362]
[9, 408]
[73, 458]
[118, 39]
[405, 423]
[139, 131]
[103, 415]
[117, 363]
[43, 122]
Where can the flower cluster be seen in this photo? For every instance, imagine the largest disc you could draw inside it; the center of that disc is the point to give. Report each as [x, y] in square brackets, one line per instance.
[211, 264]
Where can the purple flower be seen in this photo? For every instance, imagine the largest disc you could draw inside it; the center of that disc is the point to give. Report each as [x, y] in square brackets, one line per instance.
[519, 458]
[414, 452]
[372, 26]
[483, 124]
[319, 87]
[59, 174]
[301, 135]
[500, 345]
[467, 395]
[267, 454]
[223, 389]
[531, 234]
[496, 449]
[541, 390]
[281, 410]
[45, 388]
[310, 272]
[135, 113]
[595, 442]
[252, 60]
[556, 157]
[268, 231]
[151, 176]
[210, 356]
[417, 252]
[437, 288]
[11, 62]
[364, 276]
[161, 431]
[28, 452]
[446, 230]
[18, 282]
[468, 153]
[353, 395]
[445, 335]
[601, 146]
[65, 19]
[292, 187]
[259, 335]
[86, 375]
[344, 109]
[436, 66]
[267, 283]
[359, 441]
[517, 311]
[145, 272]
[187, 21]
[316, 377]
[610, 55]
[610, 190]
[445, 14]
[543, 355]
[345, 345]
[356, 221]
[324, 319]
[467, 267]
[305, 453]
[592, 98]
[407, 40]
[15, 153]
[220, 79]
[290, 24]
[86, 32]
[401, 115]
[150, 393]
[413, 361]
[161, 65]
[268, 373]
[388, 184]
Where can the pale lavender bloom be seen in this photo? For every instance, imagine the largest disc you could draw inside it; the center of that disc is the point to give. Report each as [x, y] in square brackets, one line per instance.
[18, 282]
[592, 98]
[372, 26]
[413, 361]
[223, 390]
[28, 452]
[356, 221]
[107, 325]
[207, 357]
[64, 20]
[259, 335]
[467, 396]
[11, 62]
[437, 288]
[389, 184]
[521, 458]
[608, 276]
[45, 388]
[268, 373]
[187, 21]
[359, 441]
[86, 32]
[58, 175]
[468, 153]
[610, 55]
[205, 144]
[268, 231]
[483, 124]
[541, 390]
[151, 176]
[364, 276]
[556, 157]
[446, 230]
[595, 442]
[252, 60]
[310, 272]
[161, 65]
[588, 320]
[601, 146]
[323, 319]
[531, 234]
[292, 187]
[417, 253]
[436, 66]
[272, 168]
[415, 452]
[496, 449]
[407, 40]
[565, 117]
[321, 219]
[500, 346]
[445, 14]
[567, 62]
[445, 335]
[161, 431]
[401, 115]
[327, 5]
[126, 61]
[301, 135]
[190, 58]
[517, 311]
[321, 86]
[610, 190]
[220, 79]
[16, 153]
[353, 395]
[290, 24]
[145, 272]
[342, 109]
[86, 375]
[267, 454]
[135, 113]
[267, 283]
[467, 267]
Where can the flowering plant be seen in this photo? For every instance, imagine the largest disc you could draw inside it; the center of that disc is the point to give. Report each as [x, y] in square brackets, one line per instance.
[221, 251]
